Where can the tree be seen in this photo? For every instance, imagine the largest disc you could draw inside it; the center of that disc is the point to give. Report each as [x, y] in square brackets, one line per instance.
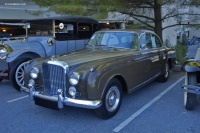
[150, 13]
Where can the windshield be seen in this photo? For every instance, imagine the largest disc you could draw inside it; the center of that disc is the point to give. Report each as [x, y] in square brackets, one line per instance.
[9, 30]
[114, 39]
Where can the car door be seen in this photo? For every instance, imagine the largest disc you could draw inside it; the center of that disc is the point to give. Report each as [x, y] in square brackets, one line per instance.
[145, 56]
[155, 55]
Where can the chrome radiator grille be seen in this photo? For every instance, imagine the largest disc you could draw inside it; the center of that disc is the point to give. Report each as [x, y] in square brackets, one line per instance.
[54, 78]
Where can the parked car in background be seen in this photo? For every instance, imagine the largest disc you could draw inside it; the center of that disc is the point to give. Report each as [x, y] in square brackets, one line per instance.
[43, 37]
[112, 62]
[191, 86]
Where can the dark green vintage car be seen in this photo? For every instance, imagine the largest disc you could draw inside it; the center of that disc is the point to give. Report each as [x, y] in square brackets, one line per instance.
[112, 62]
[191, 86]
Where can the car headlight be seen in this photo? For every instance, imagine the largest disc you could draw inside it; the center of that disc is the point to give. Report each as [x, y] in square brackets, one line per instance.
[3, 53]
[74, 78]
[34, 72]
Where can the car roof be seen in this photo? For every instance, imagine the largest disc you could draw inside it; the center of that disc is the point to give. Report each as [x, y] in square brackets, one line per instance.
[67, 18]
[137, 31]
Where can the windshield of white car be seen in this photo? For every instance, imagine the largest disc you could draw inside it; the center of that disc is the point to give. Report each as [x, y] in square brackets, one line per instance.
[114, 39]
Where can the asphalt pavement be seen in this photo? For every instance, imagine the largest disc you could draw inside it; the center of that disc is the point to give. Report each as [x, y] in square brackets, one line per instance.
[155, 108]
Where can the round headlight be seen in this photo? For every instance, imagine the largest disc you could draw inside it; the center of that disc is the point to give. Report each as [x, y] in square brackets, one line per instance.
[74, 78]
[34, 72]
[3, 53]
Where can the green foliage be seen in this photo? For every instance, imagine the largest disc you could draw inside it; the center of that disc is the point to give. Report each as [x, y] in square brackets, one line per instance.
[95, 8]
[147, 12]
[181, 52]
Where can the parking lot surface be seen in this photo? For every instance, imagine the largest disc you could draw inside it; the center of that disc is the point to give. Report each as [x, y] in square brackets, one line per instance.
[155, 108]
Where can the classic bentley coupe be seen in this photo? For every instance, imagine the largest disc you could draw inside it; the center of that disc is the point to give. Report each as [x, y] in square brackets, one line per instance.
[191, 86]
[112, 62]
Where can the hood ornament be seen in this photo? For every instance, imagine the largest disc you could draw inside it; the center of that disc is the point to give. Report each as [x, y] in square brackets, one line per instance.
[53, 57]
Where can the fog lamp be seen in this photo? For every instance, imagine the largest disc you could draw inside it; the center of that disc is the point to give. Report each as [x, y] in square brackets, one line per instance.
[34, 72]
[72, 91]
[31, 82]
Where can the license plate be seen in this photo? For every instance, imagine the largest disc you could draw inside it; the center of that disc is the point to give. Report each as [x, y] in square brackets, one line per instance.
[46, 103]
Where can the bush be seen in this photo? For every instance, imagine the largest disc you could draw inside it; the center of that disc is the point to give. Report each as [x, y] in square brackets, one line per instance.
[181, 52]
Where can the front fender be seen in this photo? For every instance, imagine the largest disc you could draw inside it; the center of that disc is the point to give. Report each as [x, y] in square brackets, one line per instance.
[97, 82]
[17, 53]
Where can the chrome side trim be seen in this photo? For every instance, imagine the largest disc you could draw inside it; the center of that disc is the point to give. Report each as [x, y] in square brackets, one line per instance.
[143, 83]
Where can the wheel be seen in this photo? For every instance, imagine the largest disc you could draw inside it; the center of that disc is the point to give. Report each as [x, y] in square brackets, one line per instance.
[1, 80]
[16, 75]
[190, 98]
[165, 75]
[111, 100]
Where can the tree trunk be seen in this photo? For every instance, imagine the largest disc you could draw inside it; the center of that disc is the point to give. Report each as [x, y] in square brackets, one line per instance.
[158, 18]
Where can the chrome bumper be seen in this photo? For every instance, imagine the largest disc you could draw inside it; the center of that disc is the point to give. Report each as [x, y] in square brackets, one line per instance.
[63, 100]
[191, 89]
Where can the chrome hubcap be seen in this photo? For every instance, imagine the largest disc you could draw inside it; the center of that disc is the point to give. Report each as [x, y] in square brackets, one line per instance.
[112, 98]
[19, 74]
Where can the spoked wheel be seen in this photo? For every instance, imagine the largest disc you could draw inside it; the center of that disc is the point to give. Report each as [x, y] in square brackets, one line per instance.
[190, 98]
[111, 100]
[17, 74]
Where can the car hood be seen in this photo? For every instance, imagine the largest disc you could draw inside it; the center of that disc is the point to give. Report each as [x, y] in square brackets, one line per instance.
[88, 55]
[19, 44]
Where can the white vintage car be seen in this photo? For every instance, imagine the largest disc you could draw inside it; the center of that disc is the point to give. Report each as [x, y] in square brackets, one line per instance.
[191, 86]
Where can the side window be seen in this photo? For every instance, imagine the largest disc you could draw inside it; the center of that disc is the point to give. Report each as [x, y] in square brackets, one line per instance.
[158, 42]
[153, 40]
[148, 41]
[84, 31]
[145, 41]
[142, 39]
[67, 33]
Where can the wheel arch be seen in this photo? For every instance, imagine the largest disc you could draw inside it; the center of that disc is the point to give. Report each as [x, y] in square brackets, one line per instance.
[120, 78]
[27, 55]
[169, 61]
[16, 66]
[123, 82]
